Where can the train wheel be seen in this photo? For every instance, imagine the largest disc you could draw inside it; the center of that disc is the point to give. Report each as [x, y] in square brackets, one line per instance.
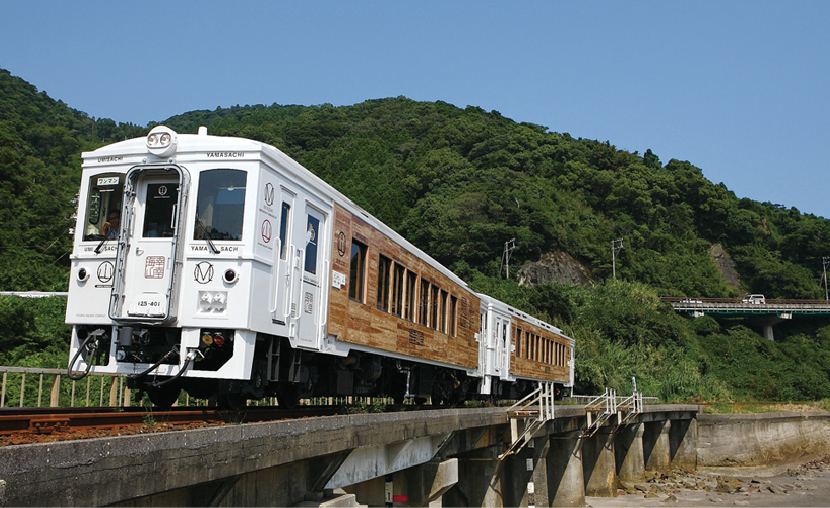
[163, 396]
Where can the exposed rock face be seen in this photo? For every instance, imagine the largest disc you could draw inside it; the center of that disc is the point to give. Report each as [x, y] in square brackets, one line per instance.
[557, 267]
[726, 266]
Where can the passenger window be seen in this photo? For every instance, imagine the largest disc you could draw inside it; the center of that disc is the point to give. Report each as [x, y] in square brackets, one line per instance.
[357, 271]
[397, 289]
[284, 221]
[384, 266]
[424, 310]
[453, 307]
[409, 306]
[311, 236]
[220, 206]
[103, 201]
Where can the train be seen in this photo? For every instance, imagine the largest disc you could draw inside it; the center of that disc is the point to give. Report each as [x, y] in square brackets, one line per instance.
[222, 267]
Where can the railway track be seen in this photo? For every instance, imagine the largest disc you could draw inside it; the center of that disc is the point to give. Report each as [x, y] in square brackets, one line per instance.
[30, 425]
[33, 425]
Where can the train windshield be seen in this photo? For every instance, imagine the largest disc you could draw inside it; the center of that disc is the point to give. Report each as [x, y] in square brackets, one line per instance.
[103, 205]
[220, 205]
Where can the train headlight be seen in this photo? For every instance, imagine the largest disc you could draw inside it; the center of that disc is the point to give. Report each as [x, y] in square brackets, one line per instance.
[213, 301]
[162, 141]
[219, 300]
[83, 275]
[205, 300]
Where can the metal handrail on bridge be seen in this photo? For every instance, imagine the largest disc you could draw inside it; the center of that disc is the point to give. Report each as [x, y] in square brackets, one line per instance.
[541, 397]
[609, 406]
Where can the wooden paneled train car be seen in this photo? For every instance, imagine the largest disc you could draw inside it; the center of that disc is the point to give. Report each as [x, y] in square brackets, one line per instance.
[222, 267]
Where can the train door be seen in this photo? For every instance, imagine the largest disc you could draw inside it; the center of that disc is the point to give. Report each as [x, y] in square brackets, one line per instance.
[148, 256]
[500, 338]
[312, 276]
[285, 286]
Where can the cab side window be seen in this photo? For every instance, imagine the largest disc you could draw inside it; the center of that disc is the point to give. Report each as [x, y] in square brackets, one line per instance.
[103, 201]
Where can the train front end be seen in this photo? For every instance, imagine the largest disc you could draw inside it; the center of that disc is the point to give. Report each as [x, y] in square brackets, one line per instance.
[159, 252]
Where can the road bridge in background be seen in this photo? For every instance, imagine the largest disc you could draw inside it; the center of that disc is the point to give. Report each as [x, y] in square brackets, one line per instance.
[765, 314]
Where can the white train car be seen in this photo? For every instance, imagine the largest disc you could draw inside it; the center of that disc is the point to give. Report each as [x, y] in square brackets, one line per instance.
[221, 266]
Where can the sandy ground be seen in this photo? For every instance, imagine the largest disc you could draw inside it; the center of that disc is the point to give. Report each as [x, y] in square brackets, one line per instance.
[805, 484]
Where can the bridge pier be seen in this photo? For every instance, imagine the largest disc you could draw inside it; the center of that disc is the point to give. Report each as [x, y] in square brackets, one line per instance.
[479, 479]
[628, 452]
[565, 485]
[657, 446]
[599, 464]
[683, 444]
[425, 485]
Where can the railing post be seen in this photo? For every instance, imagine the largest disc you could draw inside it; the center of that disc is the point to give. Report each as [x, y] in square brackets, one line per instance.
[55, 393]
[3, 395]
[39, 388]
[113, 391]
[22, 383]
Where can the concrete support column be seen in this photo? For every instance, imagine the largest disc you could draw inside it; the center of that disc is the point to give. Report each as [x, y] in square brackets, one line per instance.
[599, 465]
[479, 479]
[628, 452]
[565, 484]
[424, 485]
[517, 472]
[539, 496]
[683, 441]
[656, 446]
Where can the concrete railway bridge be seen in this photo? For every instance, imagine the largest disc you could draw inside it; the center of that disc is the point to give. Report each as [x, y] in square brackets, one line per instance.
[765, 315]
[451, 457]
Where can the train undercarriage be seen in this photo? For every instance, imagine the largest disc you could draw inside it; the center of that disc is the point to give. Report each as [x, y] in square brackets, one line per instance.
[280, 371]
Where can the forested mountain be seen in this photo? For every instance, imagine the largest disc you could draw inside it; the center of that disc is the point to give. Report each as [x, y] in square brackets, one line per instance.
[459, 183]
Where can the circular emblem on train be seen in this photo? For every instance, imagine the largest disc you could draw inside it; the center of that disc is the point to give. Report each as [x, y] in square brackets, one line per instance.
[266, 231]
[269, 194]
[105, 271]
[162, 190]
[341, 244]
[203, 273]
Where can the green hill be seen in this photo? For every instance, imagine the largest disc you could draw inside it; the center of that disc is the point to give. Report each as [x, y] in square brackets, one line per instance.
[459, 183]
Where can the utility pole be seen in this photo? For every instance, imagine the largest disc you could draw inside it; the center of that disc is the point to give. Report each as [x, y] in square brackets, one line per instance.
[615, 246]
[505, 257]
[824, 261]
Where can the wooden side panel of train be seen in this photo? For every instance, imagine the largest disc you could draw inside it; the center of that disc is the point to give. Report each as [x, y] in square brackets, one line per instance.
[539, 353]
[384, 297]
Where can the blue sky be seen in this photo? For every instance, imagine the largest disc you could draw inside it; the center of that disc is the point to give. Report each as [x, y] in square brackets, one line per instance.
[738, 88]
